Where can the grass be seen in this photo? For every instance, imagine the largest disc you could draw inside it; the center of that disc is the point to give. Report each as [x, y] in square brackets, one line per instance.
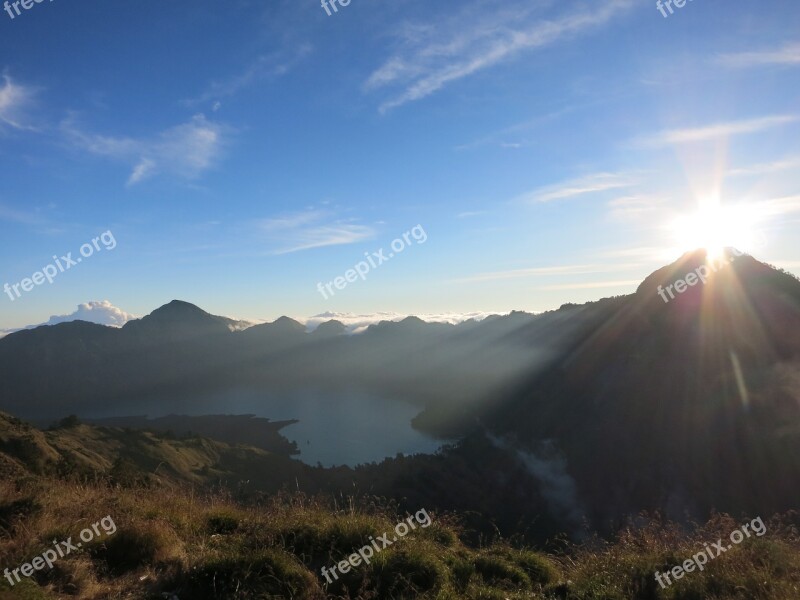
[206, 546]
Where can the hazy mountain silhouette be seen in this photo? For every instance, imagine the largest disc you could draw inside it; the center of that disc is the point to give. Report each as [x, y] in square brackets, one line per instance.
[681, 406]
[613, 406]
[178, 321]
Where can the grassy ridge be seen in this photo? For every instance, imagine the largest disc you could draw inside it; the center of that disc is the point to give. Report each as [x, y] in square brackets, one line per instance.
[202, 547]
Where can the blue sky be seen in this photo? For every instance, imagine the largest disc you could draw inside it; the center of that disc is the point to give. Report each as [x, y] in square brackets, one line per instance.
[241, 152]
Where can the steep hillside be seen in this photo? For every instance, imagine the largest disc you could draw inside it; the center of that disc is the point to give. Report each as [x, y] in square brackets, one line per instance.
[689, 405]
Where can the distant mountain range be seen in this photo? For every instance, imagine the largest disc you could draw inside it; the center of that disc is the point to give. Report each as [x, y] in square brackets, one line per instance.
[179, 350]
[625, 404]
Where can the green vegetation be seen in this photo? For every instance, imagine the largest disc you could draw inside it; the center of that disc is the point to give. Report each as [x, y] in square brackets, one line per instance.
[184, 532]
[207, 546]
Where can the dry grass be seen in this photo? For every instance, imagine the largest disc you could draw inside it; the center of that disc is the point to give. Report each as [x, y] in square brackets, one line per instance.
[205, 546]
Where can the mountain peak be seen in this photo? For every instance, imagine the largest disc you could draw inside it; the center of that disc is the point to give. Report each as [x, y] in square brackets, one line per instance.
[181, 319]
[331, 328]
[179, 307]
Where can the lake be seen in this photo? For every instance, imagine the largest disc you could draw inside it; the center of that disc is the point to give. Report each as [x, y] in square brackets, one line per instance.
[337, 428]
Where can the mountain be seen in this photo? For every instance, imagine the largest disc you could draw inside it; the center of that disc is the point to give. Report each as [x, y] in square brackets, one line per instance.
[611, 407]
[179, 351]
[682, 406]
[79, 451]
[159, 454]
[178, 321]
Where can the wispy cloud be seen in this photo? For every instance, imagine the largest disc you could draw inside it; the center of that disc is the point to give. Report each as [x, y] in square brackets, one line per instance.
[626, 207]
[514, 131]
[185, 151]
[15, 99]
[627, 283]
[788, 55]
[439, 54]
[590, 184]
[313, 229]
[777, 207]
[543, 272]
[766, 168]
[649, 254]
[18, 216]
[716, 131]
[263, 68]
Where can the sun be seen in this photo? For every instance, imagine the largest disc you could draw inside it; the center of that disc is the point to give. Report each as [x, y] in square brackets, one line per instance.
[715, 227]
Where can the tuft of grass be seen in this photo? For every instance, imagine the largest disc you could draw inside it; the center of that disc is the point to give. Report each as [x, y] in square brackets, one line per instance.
[151, 544]
[539, 569]
[17, 510]
[268, 574]
[408, 572]
[222, 522]
[25, 590]
[461, 572]
[497, 571]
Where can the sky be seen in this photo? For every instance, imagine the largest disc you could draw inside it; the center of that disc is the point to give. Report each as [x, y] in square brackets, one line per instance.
[241, 155]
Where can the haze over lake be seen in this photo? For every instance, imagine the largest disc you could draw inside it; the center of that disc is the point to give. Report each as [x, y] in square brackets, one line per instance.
[333, 428]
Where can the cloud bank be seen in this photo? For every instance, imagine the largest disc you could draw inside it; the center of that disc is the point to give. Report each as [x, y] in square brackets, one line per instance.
[358, 323]
[99, 312]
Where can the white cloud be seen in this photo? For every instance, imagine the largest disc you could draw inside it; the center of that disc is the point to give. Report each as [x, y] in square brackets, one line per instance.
[785, 56]
[313, 229]
[15, 99]
[185, 151]
[99, 312]
[356, 323]
[717, 131]
[598, 182]
[433, 56]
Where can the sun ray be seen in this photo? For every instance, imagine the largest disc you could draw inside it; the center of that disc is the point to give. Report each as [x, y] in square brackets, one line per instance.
[715, 227]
